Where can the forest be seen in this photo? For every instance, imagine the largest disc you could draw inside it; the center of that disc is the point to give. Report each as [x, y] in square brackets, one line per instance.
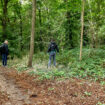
[78, 29]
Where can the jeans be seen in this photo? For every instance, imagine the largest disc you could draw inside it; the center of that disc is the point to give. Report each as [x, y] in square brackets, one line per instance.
[4, 59]
[52, 55]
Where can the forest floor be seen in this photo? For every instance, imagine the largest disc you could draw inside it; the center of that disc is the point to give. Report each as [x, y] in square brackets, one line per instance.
[24, 89]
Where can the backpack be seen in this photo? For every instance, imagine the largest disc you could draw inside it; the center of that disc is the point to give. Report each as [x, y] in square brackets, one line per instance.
[53, 46]
[1, 47]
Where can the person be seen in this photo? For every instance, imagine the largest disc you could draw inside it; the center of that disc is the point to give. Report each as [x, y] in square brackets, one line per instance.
[52, 52]
[4, 52]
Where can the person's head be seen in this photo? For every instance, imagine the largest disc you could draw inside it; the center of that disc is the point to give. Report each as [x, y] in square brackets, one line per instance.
[52, 40]
[6, 41]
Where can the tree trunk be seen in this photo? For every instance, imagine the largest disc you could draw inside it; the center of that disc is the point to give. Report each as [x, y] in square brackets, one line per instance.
[40, 20]
[40, 38]
[98, 3]
[21, 33]
[82, 28]
[92, 28]
[69, 35]
[69, 30]
[21, 27]
[32, 33]
[4, 19]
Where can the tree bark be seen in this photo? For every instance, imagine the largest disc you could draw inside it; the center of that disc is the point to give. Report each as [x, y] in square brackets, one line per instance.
[82, 28]
[21, 26]
[32, 33]
[92, 28]
[21, 32]
[69, 35]
[69, 30]
[4, 19]
[40, 38]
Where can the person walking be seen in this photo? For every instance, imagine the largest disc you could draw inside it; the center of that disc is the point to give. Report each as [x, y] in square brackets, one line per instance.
[4, 52]
[52, 49]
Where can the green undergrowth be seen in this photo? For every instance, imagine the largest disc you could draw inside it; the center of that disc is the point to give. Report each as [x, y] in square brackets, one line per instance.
[92, 65]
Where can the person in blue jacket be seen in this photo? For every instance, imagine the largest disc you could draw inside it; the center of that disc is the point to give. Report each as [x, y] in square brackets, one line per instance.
[4, 52]
[52, 49]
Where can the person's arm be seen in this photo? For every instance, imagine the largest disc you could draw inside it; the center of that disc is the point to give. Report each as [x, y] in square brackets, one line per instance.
[57, 48]
[49, 48]
[1, 48]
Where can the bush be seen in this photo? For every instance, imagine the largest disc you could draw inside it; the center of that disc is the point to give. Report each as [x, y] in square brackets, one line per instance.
[92, 65]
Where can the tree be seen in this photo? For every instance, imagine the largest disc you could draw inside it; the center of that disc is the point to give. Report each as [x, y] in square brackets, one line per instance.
[32, 33]
[4, 19]
[92, 28]
[55, 18]
[21, 25]
[82, 28]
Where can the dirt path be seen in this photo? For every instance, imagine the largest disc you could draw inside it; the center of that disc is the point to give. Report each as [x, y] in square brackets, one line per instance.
[15, 95]
[24, 89]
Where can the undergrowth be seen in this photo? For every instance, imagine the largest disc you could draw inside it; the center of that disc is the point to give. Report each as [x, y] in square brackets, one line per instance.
[92, 65]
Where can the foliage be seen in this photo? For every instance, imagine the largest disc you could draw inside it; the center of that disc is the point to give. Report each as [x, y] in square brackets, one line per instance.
[58, 19]
[55, 18]
[87, 93]
[99, 103]
[91, 67]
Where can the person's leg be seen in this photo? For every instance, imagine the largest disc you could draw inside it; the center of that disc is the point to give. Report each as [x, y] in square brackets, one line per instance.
[49, 63]
[3, 59]
[54, 59]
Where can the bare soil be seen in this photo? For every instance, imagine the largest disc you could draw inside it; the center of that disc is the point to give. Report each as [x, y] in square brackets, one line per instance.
[23, 89]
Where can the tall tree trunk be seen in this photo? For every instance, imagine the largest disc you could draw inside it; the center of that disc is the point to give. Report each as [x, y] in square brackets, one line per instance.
[32, 33]
[40, 20]
[69, 35]
[40, 38]
[98, 3]
[21, 27]
[21, 33]
[69, 30]
[4, 19]
[92, 28]
[82, 28]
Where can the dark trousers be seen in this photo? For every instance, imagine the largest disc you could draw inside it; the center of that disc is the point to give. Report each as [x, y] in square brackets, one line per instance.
[4, 59]
[52, 56]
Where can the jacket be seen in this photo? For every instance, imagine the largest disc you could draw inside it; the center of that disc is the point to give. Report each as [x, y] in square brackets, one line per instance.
[53, 47]
[4, 49]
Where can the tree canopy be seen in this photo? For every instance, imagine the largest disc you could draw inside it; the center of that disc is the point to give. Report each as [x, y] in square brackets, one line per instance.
[58, 19]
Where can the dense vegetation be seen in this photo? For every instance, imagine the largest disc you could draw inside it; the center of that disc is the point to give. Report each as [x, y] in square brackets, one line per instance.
[78, 27]
[68, 65]
[61, 20]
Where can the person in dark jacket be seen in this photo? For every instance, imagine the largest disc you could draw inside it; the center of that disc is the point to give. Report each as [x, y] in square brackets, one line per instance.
[4, 52]
[52, 49]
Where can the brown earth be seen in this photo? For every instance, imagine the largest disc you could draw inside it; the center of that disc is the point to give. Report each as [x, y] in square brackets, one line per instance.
[24, 89]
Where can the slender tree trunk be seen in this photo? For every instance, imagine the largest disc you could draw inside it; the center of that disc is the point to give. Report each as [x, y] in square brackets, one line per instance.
[40, 38]
[32, 33]
[69, 35]
[92, 28]
[21, 27]
[69, 30]
[40, 20]
[98, 3]
[21, 32]
[82, 28]
[4, 19]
